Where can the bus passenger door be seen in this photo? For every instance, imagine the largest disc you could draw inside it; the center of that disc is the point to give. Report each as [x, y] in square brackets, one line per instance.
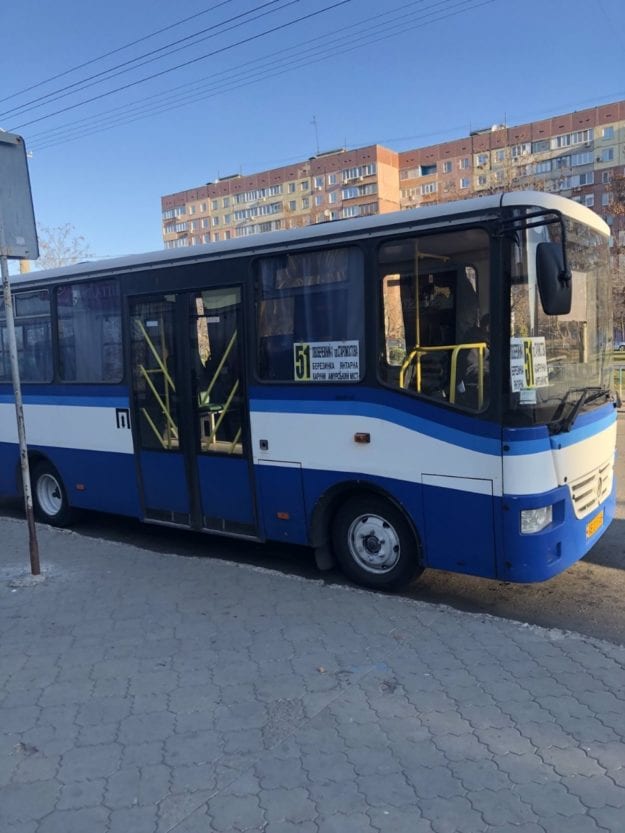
[157, 414]
[220, 413]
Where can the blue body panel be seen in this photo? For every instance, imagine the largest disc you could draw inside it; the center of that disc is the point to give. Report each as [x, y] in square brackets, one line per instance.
[462, 531]
[109, 480]
[164, 481]
[225, 488]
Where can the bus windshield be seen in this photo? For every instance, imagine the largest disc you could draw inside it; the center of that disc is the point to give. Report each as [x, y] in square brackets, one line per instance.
[559, 363]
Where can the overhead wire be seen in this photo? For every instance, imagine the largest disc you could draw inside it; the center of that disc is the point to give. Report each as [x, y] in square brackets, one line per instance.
[116, 50]
[201, 91]
[135, 63]
[190, 62]
[296, 47]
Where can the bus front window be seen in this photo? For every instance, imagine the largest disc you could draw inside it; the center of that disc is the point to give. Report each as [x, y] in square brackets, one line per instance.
[436, 317]
[554, 359]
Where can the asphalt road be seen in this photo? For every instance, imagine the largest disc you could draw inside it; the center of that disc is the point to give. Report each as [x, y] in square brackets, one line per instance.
[588, 598]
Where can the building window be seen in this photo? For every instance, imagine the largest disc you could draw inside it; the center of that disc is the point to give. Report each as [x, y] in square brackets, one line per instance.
[310, 317]
[360, 171]
[191, 209]
[304, 186]
[428, 170]
[318, 199]
[482, 179]
[428, 188]
[203, 208]
[607, 132]
[292, 187]
[464, 183]
[463, 164]
[543, 167]
[292, 205]
[305, 202]
[226, 202]
[215, 221]
[607, 155]
[227, 219]
[500, 155]
[589, 200]
[447, 167]
[318, 182]
[481, 159]
[215, 205]
[332, 197]
[584, 158]
[332, 180]
[540, 146]
[524, 149]
[575, 138]
[606, 176]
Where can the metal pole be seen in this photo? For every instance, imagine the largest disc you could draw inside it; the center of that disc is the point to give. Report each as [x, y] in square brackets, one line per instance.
[19, 409]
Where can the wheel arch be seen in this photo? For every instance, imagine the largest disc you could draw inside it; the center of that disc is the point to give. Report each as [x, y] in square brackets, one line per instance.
[34, 458]
[333, 498]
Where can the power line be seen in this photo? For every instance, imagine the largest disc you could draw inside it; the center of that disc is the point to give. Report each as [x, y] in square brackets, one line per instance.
[145, 108]
[79, 86]
[187, 63]
[188, 87]
[115, 51]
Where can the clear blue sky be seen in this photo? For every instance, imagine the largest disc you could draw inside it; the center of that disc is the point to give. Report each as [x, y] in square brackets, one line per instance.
[423, 81]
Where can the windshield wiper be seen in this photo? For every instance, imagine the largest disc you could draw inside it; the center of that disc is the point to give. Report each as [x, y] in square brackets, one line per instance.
[561, 423]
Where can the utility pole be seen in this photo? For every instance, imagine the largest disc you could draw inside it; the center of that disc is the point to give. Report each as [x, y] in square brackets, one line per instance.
[18, 239]
[314, 124]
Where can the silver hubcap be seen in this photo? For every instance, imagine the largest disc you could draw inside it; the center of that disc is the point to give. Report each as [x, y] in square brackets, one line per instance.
[49, 494]
[373, 544]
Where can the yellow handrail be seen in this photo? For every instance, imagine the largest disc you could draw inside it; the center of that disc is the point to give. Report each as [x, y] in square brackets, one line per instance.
[158, 398]
[206, 393]
[154, 428]
[155, 353]
[225, 408]
[235, 441]
[456, 349]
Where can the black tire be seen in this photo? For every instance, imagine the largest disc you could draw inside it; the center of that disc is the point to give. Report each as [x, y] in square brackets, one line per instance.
[374, 543]
[50, 497]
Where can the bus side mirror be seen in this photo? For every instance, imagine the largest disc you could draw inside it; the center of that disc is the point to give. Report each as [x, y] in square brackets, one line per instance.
[554, 279]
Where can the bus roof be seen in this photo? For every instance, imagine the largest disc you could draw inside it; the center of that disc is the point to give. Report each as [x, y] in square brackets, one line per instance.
[370, 225]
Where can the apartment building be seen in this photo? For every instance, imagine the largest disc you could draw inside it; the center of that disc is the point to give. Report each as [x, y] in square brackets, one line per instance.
[580, 155]
[331, 186]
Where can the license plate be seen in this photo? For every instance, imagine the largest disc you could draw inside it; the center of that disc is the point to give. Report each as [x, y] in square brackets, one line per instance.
[594, 525]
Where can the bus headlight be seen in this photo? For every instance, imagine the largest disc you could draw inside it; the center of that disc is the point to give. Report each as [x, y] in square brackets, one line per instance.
[535, 520]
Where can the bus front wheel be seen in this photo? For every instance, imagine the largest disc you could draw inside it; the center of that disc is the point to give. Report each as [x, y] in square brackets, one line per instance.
[49, 496]
[374, 543]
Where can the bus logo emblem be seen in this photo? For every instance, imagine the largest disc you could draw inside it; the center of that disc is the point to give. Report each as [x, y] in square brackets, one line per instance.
[122, 417]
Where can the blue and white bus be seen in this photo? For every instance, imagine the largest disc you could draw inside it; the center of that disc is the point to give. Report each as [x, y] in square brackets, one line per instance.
[423, 389]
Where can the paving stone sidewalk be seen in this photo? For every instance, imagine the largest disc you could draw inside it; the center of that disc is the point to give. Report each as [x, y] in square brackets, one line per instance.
[146, 693]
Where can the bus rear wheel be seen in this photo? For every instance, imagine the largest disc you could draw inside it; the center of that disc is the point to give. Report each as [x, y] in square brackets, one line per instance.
[374, 543]
[49, 496]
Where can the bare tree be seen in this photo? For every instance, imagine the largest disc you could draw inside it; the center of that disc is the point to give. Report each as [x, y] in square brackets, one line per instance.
[616, 218]
[61, 246]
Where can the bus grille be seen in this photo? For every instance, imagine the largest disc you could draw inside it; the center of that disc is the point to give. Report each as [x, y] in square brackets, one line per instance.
[592, 489]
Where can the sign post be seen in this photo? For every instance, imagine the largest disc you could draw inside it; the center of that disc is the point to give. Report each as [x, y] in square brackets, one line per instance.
[18, 239]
